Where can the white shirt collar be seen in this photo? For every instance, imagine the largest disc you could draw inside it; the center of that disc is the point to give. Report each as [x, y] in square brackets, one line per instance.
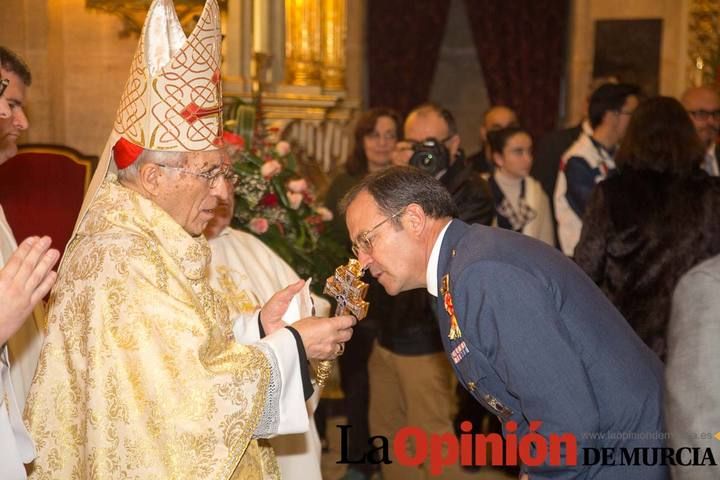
[432, 266]
[711, 161]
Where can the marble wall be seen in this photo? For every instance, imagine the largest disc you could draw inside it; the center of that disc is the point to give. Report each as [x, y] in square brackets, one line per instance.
[673, 49]
[79, 67]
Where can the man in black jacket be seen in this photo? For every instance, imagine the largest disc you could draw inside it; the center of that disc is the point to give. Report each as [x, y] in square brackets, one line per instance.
[410, 377]
[469, 191]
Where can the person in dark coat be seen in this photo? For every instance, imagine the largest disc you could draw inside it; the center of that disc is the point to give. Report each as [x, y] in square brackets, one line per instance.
[655, 220]
[529, 335]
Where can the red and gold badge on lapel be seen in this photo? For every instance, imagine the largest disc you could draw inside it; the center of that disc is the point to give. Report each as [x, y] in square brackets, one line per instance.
[454, 333]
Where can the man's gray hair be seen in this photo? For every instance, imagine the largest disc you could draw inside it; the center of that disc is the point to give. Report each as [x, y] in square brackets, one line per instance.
[395, 188]
[175, 159]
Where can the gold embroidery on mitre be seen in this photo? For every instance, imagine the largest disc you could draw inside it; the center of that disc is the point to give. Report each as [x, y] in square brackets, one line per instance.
[179, 106]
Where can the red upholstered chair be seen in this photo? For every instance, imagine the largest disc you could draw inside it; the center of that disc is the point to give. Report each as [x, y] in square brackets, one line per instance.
[41, 190]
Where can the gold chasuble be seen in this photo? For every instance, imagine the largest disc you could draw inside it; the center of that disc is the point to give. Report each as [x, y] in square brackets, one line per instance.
[140, 376]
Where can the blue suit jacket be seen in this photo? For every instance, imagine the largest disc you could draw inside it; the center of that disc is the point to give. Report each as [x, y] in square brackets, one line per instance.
[542, 342]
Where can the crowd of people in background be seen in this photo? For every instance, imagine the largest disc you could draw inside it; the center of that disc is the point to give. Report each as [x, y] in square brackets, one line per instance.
[631, 194]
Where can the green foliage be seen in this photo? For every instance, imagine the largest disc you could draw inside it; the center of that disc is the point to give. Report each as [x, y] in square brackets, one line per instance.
[279, 207]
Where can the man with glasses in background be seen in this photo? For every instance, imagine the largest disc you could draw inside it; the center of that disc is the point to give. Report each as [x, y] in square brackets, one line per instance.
[703, 106]
[591, 158]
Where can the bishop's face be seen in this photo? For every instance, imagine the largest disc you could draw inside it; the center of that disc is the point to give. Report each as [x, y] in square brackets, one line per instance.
[188, 197]
[391, 255]
[223, 213]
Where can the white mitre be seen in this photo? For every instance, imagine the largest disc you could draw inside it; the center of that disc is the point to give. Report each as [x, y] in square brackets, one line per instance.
[172, 100]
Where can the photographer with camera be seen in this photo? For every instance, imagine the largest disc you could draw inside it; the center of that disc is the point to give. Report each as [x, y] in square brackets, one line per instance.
[410, 377]
[432, 133]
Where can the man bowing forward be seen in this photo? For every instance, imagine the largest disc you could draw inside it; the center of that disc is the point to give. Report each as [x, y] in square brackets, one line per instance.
[529, 335]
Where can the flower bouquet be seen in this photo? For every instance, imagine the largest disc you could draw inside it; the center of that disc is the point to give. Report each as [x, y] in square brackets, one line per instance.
[277, 205]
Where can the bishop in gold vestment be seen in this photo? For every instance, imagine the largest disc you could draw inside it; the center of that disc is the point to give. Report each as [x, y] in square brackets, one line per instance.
[140, 376]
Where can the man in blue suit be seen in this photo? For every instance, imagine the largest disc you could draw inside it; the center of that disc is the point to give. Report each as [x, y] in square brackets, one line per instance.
[529, 335]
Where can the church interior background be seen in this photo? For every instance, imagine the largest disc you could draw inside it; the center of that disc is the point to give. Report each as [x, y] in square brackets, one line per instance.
[320, 62]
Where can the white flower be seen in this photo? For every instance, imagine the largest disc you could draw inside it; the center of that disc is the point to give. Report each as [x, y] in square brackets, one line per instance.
[325, 214]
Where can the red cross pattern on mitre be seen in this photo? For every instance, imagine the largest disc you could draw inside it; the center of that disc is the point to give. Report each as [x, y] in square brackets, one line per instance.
[173, 101]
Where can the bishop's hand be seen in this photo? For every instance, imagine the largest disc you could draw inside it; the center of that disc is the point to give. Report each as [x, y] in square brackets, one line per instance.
[272, 312]
[324, 338]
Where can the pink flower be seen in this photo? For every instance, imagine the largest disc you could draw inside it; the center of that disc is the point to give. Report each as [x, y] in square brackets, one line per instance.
[299, 185]
[325, 214]
[295, 199]
[282, 148]
[259, 225]
[270, 169]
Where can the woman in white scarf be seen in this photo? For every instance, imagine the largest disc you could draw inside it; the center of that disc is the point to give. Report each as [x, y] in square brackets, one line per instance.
[520, 203]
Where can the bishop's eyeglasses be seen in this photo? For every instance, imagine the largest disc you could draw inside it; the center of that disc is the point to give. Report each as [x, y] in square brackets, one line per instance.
[211, 176]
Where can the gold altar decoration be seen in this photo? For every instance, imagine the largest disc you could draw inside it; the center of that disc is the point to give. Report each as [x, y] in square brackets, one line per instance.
[704, 42]
[348, 290]
[333, 44]
[133, 12]
[315, 34]
[302, 42]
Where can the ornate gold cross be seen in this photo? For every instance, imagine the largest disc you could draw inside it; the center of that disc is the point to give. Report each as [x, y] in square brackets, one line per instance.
[349, 292]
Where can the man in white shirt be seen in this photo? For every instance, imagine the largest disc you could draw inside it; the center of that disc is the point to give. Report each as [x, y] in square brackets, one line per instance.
[590, 159]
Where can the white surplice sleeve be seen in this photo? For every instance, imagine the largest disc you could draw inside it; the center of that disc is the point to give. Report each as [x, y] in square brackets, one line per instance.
[285, 411]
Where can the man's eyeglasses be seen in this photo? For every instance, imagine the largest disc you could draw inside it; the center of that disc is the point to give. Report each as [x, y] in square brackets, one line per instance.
[212, 176]
[704, 115]
[364, 240]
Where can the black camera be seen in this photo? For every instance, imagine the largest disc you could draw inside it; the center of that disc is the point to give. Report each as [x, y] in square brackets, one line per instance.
[430, 155]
